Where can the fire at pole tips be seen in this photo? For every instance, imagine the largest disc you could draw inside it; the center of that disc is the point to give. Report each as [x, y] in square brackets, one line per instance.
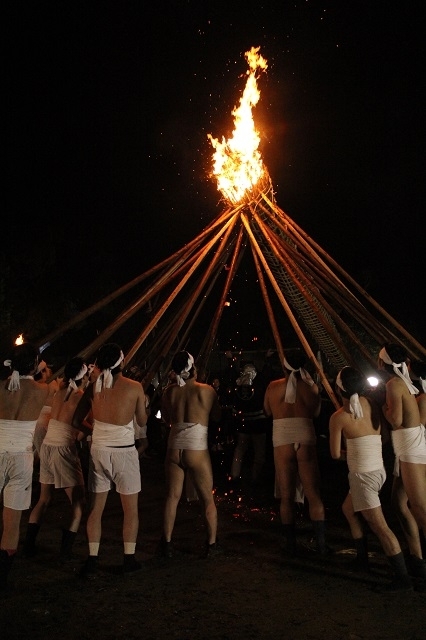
[237, 162]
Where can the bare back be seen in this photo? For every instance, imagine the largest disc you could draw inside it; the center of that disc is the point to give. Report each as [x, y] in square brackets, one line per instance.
[195, 402]
[64, 411]
[307, 404]
[118, 405]
[25, 403]
[342, 423]
[401, 409]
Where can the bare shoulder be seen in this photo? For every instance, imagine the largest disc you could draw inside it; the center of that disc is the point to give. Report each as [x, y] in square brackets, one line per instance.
[276, 383]
[336, 417]
[206, 388]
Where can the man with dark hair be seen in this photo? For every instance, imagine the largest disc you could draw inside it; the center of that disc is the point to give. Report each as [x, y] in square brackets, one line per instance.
[119, 415]
[401, 410]
[294, 402]
[358, 424]
[187, 406]
[60, 465]
[21, 400]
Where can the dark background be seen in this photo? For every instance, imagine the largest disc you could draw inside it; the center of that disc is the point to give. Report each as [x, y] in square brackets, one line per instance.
[108, 107]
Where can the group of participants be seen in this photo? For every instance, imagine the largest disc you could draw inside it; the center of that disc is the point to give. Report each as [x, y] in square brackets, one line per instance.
[112, 409]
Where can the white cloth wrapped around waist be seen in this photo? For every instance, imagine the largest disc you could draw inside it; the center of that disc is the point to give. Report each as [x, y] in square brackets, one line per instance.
[16, 435]
[44, 417]
[292, 431]
[188, 435]
[113, 435]
[409, 445]
[60, 434]
[364, 454]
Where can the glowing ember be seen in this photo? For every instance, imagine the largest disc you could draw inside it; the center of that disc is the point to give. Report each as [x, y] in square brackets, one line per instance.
[19, 339]
[238, 164]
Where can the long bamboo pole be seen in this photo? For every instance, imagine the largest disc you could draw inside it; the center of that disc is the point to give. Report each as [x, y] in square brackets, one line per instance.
[355, 284]
[271, 316]
[291, 316]
[211, 335]
[181, 284]
[310, 294]
[376, 329]
[173, 260]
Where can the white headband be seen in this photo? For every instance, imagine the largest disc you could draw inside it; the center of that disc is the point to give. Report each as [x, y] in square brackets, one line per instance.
[184, 374]
[72, 385]
[354, 403]
[41, 365]
[14, 380]
[420, 380]
[290, 391]
[105, 380]
[400, 369]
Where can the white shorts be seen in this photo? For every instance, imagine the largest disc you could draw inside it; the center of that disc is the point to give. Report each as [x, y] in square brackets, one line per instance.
[365, 488]
[117, 466]
[16, 477]
[60, 466]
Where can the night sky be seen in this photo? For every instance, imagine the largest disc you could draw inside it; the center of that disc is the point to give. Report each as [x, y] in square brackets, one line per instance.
[108, 109]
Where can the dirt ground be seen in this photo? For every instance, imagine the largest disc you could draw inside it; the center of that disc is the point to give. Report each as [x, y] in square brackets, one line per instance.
[252, 591]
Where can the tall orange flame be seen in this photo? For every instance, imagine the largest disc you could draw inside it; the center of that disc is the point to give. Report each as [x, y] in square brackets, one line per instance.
[238, 165]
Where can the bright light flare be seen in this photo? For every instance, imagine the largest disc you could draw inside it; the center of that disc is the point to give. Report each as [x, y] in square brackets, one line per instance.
[373, 381]
[20, 339]
[237, 163]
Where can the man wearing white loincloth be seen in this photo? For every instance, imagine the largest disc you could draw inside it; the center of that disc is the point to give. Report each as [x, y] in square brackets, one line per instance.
[358, 424]
[60, 466]
[293, 402]
[187, 405]
[119, 412]
[21, 400]
[402, 412]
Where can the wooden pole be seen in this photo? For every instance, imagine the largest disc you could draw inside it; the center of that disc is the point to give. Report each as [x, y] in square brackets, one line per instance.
[291, 316]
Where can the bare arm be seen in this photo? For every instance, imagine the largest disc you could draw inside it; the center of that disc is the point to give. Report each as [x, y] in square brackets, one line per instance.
[140, 412]
[392, 409]
[266, 404]
[83, 409]
[336, 435]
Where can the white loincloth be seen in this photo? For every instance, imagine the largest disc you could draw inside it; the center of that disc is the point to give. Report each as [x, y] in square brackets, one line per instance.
[113, 435]
[188, 435]
[295, 431]
[409, 445]
[16, 435]
[59, 434]
[364, 454]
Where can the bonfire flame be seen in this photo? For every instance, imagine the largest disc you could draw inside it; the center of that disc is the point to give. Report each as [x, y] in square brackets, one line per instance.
[238, 164]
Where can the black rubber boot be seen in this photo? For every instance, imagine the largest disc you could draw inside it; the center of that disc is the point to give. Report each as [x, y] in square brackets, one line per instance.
[288, 532]
[30, 548]
[165, 549]
[361, 561]
[401, 580]
[130, 563]
[67, 542]
[5, 564]
[89, 569]
[319, 533]
[416, 567]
